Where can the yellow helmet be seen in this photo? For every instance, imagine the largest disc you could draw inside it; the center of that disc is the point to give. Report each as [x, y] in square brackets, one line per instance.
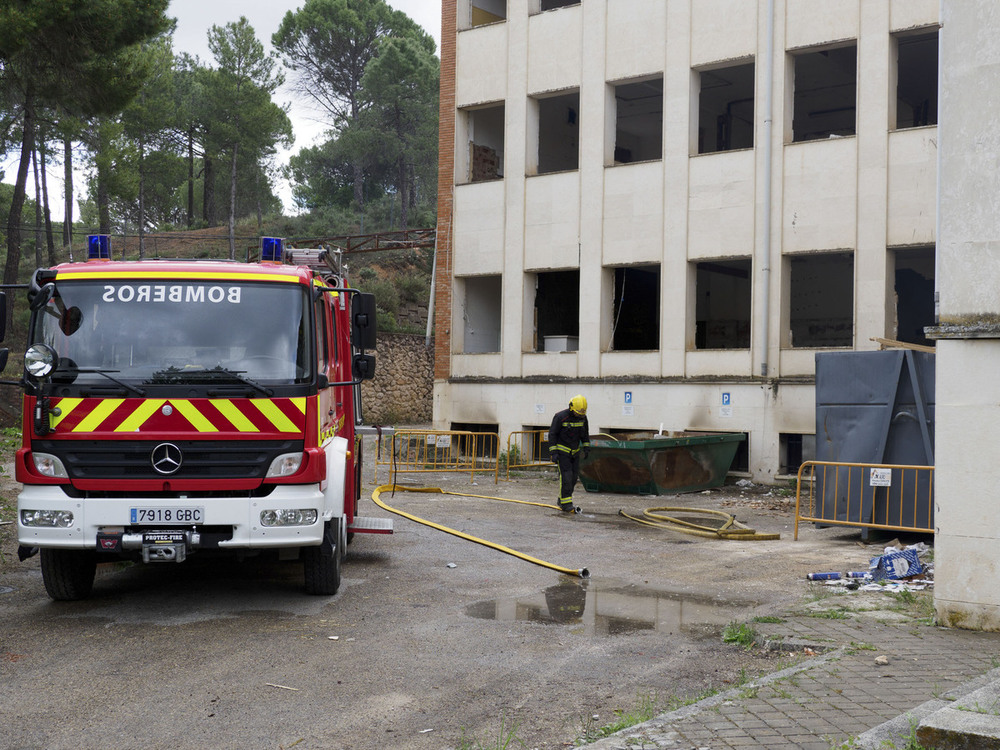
[578, 404]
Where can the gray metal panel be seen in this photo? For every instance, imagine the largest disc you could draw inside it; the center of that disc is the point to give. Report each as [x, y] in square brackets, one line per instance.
[875, 407]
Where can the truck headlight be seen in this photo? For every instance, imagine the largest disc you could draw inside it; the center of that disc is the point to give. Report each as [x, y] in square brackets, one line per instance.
[285, 465]
[40, 360]
[283, 517]
[61, 519]
[49, 466]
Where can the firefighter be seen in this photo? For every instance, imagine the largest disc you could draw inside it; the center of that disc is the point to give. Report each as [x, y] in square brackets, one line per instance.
[569, 435]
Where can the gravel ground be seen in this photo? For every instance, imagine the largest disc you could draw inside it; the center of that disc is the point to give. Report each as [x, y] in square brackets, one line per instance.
[432, 641]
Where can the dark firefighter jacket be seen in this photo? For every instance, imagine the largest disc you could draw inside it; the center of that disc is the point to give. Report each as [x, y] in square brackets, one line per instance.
[569, 432]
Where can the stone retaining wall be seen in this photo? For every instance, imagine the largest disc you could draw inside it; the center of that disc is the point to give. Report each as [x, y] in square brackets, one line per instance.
[402, 390]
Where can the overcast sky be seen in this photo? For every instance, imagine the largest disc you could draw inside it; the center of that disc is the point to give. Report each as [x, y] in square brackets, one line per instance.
[194, 18]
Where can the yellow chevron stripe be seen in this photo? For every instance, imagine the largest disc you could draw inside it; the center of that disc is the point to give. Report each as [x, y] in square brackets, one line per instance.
[237, 418]
[195, 417]
[300, 403]
[138, 418]
[333, 430]
[101, 412]
[274, 415]
[66, 406]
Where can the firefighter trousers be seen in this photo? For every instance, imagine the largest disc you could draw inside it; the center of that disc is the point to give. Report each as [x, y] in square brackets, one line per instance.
[569, 472]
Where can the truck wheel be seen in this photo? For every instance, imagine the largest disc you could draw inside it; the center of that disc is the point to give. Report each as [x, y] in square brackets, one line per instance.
[68, 574]
[322, 571]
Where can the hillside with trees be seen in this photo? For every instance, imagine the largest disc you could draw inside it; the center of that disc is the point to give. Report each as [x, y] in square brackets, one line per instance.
[172, 145]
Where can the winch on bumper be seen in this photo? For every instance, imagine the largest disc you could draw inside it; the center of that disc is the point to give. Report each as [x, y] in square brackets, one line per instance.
[156, 546]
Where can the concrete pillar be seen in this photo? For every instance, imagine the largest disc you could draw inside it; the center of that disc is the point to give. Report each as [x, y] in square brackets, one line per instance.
[967, 448]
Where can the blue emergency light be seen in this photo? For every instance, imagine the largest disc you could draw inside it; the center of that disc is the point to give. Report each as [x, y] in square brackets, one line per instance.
[271, 249]
[99, 247]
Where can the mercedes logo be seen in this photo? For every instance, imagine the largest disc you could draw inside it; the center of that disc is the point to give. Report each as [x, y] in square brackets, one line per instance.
[166, 458]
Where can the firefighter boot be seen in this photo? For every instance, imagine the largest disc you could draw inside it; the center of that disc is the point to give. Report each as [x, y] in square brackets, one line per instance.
[566, 506]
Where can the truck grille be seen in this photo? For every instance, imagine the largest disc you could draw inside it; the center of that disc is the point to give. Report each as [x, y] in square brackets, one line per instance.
[200, 459]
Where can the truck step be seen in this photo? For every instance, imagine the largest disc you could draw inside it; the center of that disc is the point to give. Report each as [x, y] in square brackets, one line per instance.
[370, 525]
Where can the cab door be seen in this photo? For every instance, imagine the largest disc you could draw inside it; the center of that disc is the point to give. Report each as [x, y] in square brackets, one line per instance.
[325, 356]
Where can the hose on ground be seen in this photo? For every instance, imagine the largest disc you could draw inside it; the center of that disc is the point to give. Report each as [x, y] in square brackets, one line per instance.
[730, 528]
[376, 497]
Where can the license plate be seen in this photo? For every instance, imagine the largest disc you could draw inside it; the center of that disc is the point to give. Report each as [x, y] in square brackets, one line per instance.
[168, 515]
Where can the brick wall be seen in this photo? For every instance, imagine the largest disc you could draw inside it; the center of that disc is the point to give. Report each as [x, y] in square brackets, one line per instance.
[446, 187]
[485, 163]
[402, 391]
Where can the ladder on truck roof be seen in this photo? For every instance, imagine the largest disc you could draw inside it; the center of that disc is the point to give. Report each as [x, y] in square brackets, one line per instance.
[320, 260]
[403, 239]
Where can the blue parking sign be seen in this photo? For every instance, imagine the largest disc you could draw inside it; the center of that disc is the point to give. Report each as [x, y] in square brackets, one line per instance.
[628, 397]
[725, 399]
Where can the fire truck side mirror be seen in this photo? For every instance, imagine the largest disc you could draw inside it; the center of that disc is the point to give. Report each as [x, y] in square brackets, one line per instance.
[42, 296]
[363, 321]
[363, 366]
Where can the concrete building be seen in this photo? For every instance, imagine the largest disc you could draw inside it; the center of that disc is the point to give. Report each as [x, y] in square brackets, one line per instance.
[671, 206]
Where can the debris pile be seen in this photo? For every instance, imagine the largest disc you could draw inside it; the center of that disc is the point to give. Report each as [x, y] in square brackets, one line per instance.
[898, 568]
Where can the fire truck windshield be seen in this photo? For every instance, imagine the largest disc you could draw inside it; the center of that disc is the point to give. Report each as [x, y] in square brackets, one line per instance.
[177, 332]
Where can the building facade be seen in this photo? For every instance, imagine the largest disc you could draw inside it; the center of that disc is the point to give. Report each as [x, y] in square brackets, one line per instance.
[671, 206]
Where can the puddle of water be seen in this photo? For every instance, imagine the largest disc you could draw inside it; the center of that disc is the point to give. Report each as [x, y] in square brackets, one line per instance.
[6, 589]
[607, 609]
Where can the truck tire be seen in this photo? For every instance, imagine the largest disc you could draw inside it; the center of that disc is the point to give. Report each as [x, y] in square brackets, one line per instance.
[322, 566]
[68, 574]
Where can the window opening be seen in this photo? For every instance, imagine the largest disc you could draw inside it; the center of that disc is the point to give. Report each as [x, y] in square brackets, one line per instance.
[722, 307]
[483, 12]
[914, 284]
[557, 311]
[741, 459]
[636, 309]
[476, 446]
[826, 90]
[821, 311]
[544, 5]
[558, 133]
[481, 314]
[535, 445]
[486, 139]
[794, 449]
[917, 80]
[639, 121]
[725, 108]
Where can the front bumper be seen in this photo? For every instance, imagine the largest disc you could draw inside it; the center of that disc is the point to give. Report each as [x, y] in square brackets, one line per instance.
[101, 515]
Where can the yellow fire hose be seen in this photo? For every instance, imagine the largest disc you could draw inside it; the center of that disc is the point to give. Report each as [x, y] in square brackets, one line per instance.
[580, 572]
[729, 529]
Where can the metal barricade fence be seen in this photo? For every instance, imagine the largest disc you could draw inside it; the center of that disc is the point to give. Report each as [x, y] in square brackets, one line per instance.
[892, 497]
[428, 451]
[525, 450]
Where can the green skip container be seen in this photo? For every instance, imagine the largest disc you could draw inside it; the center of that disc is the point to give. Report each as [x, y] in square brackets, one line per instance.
[659, 464]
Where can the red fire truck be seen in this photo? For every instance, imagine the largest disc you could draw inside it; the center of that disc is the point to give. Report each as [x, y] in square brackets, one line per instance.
[174, 408]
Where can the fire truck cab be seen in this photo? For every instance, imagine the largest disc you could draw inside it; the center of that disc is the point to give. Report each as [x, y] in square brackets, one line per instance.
[174, 408]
